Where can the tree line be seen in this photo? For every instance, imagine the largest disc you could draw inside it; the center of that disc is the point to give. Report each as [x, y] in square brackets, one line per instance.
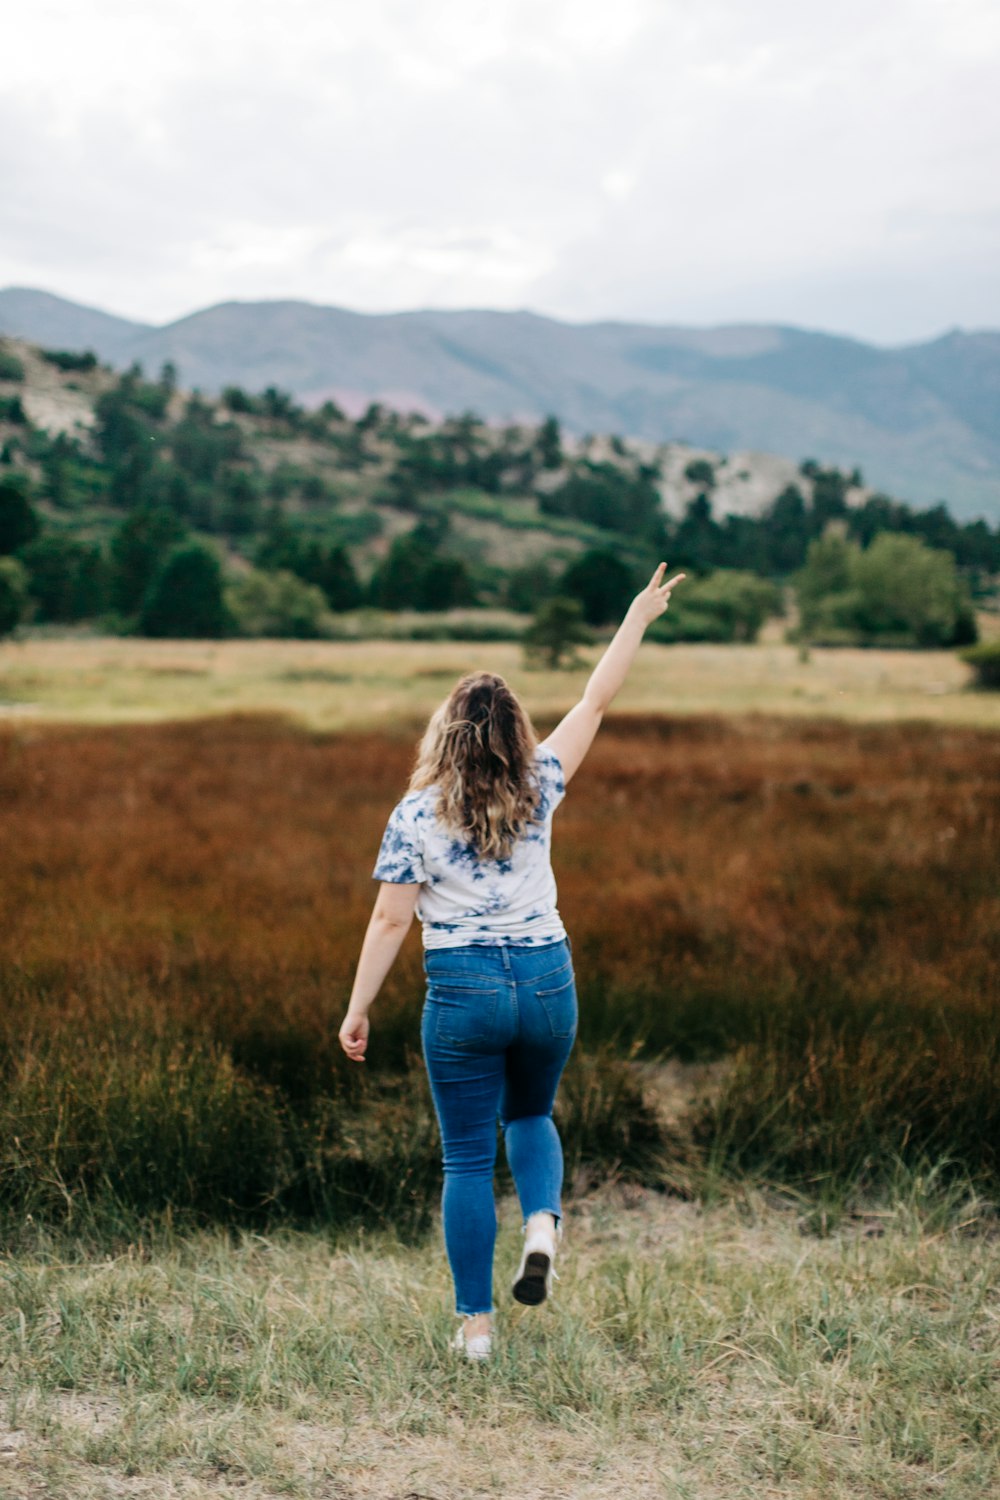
[206, 539]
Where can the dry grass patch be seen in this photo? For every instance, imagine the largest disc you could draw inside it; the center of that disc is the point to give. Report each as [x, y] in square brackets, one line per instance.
[689, 1352]
[370, 684]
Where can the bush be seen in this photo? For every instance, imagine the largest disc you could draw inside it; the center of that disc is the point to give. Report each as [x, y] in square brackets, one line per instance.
[700, 472]
[277, 604]
[898, 591]
[11, 367]
[13, 594]
[906, 585]
[12, 411]
[985, 661]
[729, 605]
[66, 359]
[185, 598]
[236, 399]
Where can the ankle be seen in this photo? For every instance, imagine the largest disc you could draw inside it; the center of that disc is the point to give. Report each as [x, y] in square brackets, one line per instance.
[541, 1220]
[477, 1324]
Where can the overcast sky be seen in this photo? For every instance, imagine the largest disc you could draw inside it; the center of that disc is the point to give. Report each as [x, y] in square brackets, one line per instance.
[686, 161]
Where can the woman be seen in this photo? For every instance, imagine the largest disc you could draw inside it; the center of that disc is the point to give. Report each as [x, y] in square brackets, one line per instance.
[471, 842]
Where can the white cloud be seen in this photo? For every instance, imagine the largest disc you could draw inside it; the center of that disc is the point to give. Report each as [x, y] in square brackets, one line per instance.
[657, 159]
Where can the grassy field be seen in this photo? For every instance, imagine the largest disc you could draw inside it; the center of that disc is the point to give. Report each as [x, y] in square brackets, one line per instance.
[365, 684]
[222, 1271]
[690, 1353]
[816, 904]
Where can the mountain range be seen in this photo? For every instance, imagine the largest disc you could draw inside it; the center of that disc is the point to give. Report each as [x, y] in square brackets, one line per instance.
[922, 421]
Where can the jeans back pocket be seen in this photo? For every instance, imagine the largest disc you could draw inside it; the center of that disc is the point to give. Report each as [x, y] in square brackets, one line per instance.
[464, 1009]
[556, 994]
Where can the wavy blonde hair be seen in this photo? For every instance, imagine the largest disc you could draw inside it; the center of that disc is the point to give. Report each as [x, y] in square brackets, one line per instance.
[478, 746]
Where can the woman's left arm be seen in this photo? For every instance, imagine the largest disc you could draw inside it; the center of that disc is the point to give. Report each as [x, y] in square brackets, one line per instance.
[389, 924]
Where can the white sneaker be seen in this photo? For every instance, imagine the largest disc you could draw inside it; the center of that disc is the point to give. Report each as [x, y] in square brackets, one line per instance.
[533, 1282]
[479, 1347]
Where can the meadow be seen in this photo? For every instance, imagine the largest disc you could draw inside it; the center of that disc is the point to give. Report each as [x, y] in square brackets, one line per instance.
[352, 684]
[222, 1266]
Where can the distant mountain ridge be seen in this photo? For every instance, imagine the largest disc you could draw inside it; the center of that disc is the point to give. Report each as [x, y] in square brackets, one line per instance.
[922, 421]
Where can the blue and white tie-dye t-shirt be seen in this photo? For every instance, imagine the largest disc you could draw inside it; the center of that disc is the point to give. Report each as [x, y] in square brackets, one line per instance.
[466, 899]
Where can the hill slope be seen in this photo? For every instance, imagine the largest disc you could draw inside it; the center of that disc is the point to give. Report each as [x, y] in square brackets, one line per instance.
[922, 421]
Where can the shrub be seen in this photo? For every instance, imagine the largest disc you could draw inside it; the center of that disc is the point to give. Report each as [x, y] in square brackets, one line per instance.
[12, 411]
[984, 658]
[699, 471]
[277, 604]
[236, 399]
[729, 605]
[67, 359]
[11, 368]
[907, 586]
[897, 591]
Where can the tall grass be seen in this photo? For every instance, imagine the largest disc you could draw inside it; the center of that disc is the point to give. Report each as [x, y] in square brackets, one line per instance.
[183, 905]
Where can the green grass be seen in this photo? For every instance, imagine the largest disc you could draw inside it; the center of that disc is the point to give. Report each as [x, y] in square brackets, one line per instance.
[688, 1352]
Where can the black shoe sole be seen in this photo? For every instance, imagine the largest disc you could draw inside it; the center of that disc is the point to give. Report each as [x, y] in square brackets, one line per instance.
[530, 1288]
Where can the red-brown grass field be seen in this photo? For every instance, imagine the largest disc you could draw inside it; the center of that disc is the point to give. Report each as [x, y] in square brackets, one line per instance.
[814, 903]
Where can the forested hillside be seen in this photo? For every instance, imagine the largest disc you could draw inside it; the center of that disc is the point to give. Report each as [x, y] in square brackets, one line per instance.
[922, 420]
[129, 503]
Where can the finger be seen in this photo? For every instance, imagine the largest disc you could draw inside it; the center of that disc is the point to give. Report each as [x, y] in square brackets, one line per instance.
[671, 581]
[661, 569]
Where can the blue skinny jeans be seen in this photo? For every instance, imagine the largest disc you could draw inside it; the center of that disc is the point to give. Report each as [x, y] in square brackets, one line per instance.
[497, 1027]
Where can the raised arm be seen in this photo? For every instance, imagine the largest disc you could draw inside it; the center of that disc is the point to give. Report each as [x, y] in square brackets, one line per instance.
[573, 735]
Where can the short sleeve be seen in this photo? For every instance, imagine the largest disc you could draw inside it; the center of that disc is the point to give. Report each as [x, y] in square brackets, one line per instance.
[553, 780]
[400, 857]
